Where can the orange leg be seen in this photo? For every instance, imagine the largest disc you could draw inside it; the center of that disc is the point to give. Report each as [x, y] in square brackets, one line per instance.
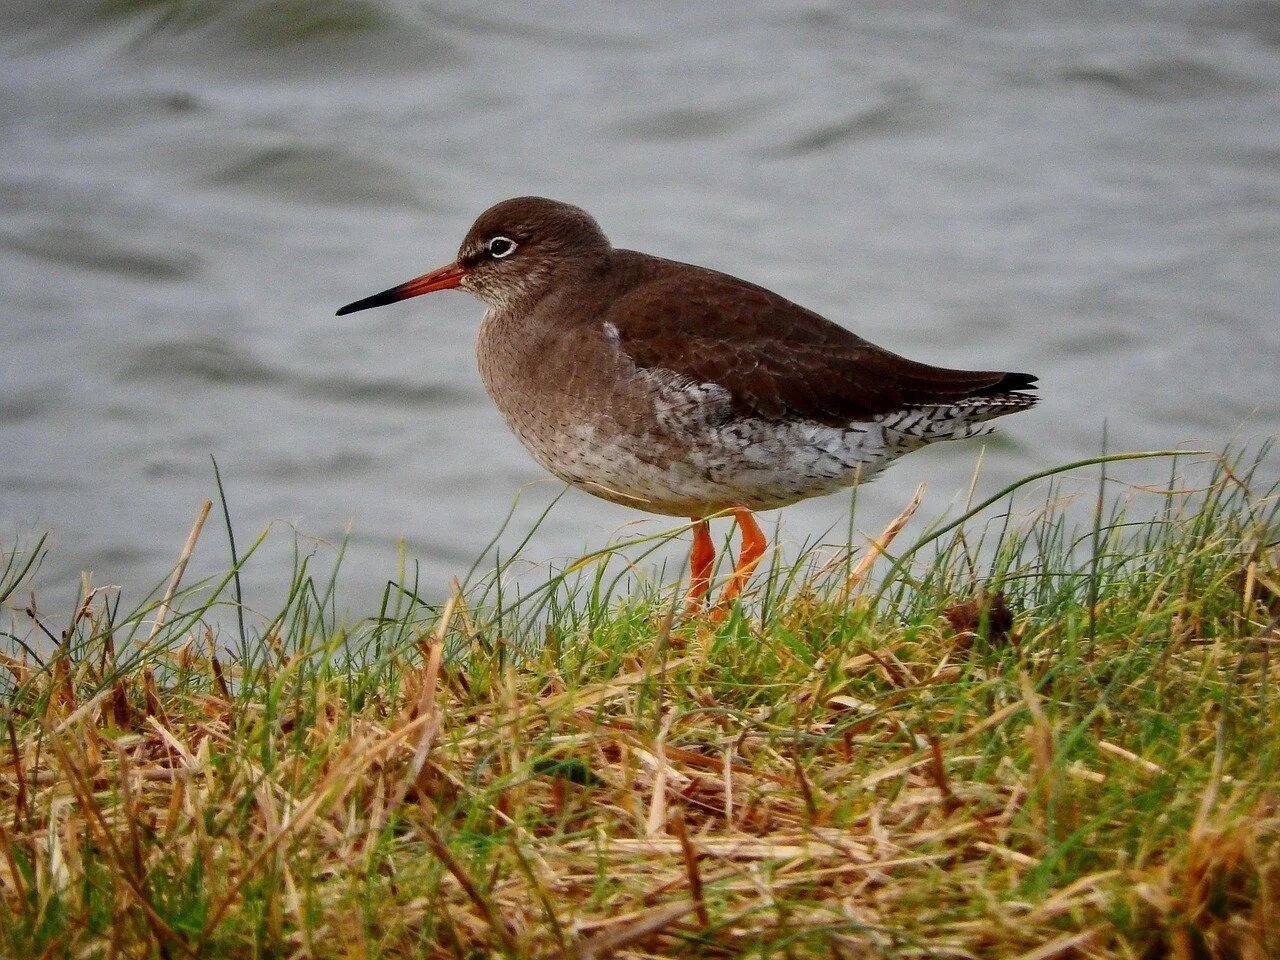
[701, 560]
[753, 545]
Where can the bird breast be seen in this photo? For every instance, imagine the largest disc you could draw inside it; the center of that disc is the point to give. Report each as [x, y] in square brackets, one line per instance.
[650, 438]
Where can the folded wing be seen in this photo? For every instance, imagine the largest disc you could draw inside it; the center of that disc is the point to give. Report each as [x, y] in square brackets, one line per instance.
[776, 359]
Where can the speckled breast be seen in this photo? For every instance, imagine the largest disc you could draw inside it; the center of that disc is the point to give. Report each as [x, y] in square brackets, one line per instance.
[651, 440]
[582, 416]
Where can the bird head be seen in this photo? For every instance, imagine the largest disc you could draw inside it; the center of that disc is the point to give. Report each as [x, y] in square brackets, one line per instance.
[514, 252]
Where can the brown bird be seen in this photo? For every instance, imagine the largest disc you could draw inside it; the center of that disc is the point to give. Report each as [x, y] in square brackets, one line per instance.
[683, 391]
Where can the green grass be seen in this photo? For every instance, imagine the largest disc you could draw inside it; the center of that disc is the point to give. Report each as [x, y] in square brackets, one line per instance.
[1009, 738]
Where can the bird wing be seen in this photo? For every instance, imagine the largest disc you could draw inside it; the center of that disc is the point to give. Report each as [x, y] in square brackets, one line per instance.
[776, 359]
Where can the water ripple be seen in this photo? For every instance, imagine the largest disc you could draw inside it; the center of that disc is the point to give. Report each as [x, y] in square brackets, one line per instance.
[896, 115]
[28, 405]
[317, 174]
[682, 123]
[263, 22]
[221, 362]
[1167, 79]
[78, 247]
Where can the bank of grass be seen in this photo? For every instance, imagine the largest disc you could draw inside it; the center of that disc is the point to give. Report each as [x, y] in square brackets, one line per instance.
[1011, 738]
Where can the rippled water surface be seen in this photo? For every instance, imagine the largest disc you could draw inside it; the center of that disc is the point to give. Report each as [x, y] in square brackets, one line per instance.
[189, 188]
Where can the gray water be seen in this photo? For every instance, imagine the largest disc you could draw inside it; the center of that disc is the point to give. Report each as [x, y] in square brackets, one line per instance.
[1086, 191]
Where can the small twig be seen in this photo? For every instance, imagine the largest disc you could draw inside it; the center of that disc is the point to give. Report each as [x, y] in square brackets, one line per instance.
[540, 890]
[1142, 763]
[806, 791]
[609, 941]
[20, 806]
[658, 799]
[129, 805]
[1067, 943]
[163, 612]
[445, 856]
[86, 708]
[426, 707]
[880, 544]
[681, 831]
[938, 771]
[6, 846]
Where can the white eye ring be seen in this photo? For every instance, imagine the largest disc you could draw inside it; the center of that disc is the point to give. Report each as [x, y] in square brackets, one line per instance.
[500, 247]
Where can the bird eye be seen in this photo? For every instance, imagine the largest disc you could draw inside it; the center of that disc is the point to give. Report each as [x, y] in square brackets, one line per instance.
[500, 247]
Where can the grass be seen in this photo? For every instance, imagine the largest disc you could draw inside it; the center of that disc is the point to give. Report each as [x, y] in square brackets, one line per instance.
[1012, 738]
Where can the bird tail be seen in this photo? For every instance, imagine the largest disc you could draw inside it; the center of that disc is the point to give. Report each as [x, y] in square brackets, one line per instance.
[959, 420]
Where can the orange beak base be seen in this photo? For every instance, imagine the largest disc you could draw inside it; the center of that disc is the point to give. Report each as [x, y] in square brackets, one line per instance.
[446, 278]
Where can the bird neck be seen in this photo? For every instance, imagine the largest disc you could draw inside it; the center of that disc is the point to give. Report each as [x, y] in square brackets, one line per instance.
[549, 277]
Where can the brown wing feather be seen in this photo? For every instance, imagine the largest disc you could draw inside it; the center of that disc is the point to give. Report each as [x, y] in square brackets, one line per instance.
[777, 359]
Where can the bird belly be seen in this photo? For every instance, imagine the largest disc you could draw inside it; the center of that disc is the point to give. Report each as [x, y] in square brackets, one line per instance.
[664, 444]
[691, 463]
[753, 464]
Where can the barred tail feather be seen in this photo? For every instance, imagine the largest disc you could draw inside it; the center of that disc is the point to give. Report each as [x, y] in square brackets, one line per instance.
[952, 421]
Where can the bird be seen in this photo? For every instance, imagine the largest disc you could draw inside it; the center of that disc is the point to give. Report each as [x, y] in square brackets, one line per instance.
[683, 391]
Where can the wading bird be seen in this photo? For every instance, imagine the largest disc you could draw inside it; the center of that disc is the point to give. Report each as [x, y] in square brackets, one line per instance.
[679, 390]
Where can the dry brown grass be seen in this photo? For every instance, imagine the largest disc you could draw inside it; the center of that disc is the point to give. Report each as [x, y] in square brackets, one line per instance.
[839, 780]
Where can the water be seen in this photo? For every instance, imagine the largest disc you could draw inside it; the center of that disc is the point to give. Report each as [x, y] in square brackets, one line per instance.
[189, 189]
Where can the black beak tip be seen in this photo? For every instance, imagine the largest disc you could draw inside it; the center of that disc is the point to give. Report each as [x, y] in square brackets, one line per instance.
[376, 300]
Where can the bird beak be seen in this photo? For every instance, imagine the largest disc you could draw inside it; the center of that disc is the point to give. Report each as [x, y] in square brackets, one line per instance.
[446, 278]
